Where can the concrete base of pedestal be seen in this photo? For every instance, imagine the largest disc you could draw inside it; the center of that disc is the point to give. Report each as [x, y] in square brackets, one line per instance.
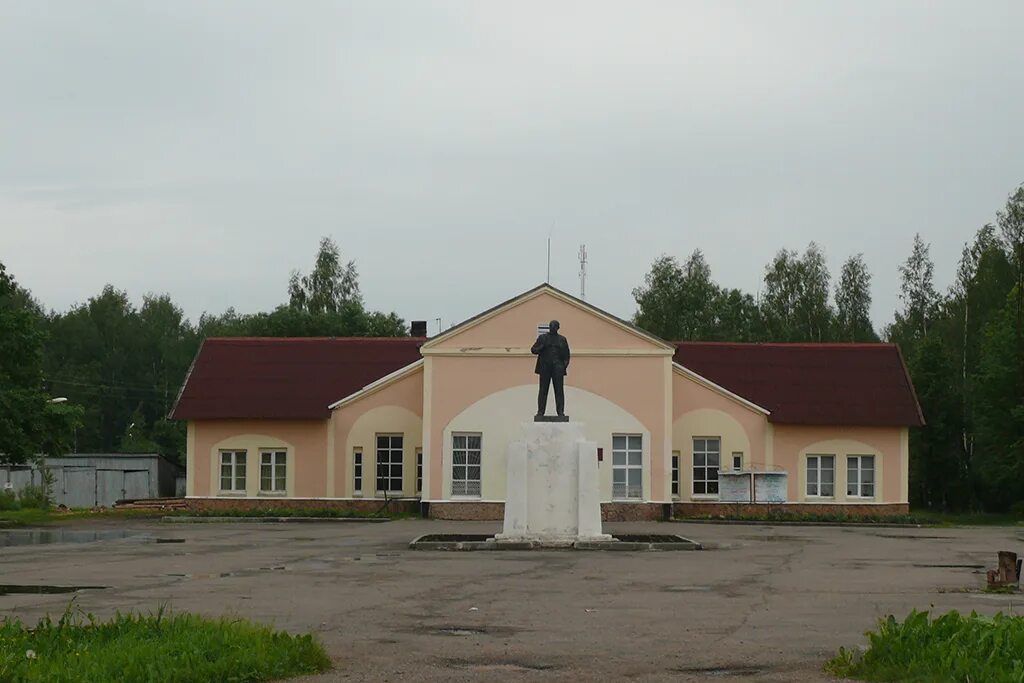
[552, 496]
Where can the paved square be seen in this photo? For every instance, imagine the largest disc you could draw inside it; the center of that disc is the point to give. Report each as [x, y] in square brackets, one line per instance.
[764, 603]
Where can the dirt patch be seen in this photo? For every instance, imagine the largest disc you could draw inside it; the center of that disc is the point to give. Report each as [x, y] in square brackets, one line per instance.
[497, 667]
[724, 671]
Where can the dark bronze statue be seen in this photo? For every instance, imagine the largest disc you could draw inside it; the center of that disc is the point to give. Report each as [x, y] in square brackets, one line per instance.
[552, 351]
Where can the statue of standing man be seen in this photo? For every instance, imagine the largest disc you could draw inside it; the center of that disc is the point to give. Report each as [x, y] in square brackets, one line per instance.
[552, 351]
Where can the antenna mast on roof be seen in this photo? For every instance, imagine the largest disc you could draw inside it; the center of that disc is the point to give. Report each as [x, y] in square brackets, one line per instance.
[548, 280]
[583, 271]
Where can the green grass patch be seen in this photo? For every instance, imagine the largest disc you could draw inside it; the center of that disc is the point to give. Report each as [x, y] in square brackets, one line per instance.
[158, 648]
[34, 517]
[770, 515]
[924, 518]
[330, 513]
[951, 647]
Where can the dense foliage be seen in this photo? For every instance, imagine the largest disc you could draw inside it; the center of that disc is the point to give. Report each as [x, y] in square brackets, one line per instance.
[121, 366]
[178, 648]
[964, 348]
[951, 647]
[30, 423]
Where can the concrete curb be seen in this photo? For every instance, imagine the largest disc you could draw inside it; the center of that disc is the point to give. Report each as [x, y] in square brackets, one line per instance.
[249, 520]
[490, 545]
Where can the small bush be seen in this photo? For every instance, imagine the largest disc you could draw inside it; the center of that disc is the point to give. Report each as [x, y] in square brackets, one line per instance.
[158, 648]
[951, 647]
[8, 500]
[34, 497]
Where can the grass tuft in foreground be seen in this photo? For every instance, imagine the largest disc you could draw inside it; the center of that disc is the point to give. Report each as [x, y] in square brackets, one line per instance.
[951, 647]
[158, 648]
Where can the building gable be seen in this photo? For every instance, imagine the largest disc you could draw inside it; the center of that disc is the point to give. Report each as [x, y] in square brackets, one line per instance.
[513, 325]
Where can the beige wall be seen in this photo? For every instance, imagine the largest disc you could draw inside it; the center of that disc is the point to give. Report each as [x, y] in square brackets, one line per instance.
[396, 408]
[699, 411]
[305, 442]
[616, 363]
[490, 416]
[516, 326]
[793, 443]
[636, 384]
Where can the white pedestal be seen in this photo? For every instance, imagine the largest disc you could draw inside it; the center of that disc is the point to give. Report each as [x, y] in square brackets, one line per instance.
[552, 495]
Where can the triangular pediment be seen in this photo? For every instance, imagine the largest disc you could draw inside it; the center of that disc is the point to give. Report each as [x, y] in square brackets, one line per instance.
[513, 324]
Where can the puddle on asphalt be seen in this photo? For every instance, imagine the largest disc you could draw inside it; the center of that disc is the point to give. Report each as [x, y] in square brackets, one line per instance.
[949, 566]
[16, 589]
[686, 589]
[729, 671]
[499, 666]
[462, 631]
[910, 537]
[771, 538]
[19, 537]
[22, 537]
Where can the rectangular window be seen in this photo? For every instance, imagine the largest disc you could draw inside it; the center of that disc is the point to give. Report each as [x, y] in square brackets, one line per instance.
[466, 454]
[272, 472]
[675, 473]
[737, 461]
[860, 476]
[357, 471]
[821, 475]
[707, 454]
[419, 471]
[389, 463]
[627, 466]
[232, 471]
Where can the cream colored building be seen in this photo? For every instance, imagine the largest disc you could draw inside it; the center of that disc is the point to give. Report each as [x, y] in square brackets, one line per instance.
[679, 426]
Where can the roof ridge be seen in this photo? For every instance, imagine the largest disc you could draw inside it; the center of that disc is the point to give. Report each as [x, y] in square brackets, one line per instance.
[791, 345]
[315, 339]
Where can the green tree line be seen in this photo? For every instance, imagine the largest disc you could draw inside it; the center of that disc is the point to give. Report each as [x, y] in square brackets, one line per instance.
[120, 367]
[964, 347]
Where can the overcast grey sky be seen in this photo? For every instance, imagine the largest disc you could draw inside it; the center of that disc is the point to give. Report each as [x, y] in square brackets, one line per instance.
[202, 148]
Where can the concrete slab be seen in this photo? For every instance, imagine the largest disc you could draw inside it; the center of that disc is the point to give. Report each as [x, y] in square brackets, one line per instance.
[761, 603]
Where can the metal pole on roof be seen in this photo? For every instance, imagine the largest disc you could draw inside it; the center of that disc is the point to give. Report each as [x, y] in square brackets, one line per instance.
[583, 272]
[548, 280]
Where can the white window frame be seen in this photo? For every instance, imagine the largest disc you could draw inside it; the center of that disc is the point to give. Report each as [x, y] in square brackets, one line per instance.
[357, 472]
[235, 465]
[705, 467]
[628, 459]
[390, 450]
[419, 470]
[278, 471]
[462, 465]
[813, 477]
[859, 485]
[737, 456]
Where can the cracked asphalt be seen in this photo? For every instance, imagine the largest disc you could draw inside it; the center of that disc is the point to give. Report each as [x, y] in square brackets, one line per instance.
[762, 603]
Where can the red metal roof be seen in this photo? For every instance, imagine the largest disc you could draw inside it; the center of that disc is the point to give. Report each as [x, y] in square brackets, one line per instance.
[297, 378]
[285, 377]
[812, 384]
